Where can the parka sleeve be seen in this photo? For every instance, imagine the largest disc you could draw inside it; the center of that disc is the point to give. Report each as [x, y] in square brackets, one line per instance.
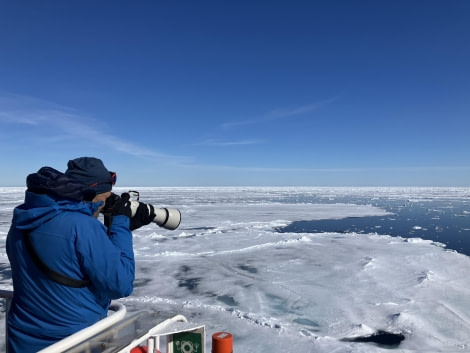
[108, 261]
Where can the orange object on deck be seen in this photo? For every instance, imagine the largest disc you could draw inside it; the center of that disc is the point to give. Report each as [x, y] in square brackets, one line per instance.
[222, 342]
[141, 349]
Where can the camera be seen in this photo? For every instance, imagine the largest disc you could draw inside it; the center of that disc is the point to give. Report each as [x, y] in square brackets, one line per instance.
[168, 218]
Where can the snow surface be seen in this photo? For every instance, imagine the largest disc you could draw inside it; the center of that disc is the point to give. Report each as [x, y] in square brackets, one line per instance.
[228, 268]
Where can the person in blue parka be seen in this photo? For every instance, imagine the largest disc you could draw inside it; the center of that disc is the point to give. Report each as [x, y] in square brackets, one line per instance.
[66, 264]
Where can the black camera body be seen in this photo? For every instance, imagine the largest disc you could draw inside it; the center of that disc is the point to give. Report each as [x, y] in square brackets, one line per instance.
[168, 218]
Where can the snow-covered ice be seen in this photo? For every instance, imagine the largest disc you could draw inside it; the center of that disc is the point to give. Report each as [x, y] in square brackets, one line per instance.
[227, 267]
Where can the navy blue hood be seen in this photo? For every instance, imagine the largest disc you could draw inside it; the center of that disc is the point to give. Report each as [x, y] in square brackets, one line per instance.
[58, 185]
[50, 193]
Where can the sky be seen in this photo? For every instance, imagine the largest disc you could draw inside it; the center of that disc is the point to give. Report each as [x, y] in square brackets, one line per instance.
[238, 93]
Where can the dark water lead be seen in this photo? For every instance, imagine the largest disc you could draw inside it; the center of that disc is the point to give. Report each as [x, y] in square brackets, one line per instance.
[446, 222]
[382, 338]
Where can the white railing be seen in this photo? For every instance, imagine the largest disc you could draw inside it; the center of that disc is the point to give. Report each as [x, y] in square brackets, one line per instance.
[86, 333]
[68, 342]
[146, 330]
[8, 296]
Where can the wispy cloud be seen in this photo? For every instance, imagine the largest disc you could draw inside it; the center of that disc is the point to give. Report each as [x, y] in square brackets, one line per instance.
[280, 114]
[219, 143]
[58, 123]
[234, 124]
[331, 170]
[304, 109]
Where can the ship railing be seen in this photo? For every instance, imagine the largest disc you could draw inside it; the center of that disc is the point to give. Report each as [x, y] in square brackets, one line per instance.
[122, 333]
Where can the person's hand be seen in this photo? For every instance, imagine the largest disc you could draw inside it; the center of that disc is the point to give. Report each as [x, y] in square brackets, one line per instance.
[144, 215]
[115, 205]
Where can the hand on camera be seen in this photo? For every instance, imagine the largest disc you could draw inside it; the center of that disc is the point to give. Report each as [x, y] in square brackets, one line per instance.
[144, 215]
[114, 206]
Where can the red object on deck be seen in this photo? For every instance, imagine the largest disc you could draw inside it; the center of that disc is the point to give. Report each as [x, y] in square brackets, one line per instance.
[222, 342]
[141, 349]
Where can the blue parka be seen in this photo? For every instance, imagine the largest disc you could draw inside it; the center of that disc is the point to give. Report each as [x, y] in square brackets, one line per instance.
[73, 243]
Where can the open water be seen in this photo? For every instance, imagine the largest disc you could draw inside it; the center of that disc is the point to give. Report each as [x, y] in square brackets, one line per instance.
[445, 221]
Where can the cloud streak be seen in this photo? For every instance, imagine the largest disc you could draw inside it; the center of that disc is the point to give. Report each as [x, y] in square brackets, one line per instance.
[53, 123]
[280, 114]
[218, 143]
[304, 109]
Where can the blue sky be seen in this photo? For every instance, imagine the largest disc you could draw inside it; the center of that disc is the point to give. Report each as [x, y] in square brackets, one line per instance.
[222, 93]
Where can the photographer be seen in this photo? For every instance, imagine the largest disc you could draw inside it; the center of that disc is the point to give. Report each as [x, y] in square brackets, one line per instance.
[66, 265]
